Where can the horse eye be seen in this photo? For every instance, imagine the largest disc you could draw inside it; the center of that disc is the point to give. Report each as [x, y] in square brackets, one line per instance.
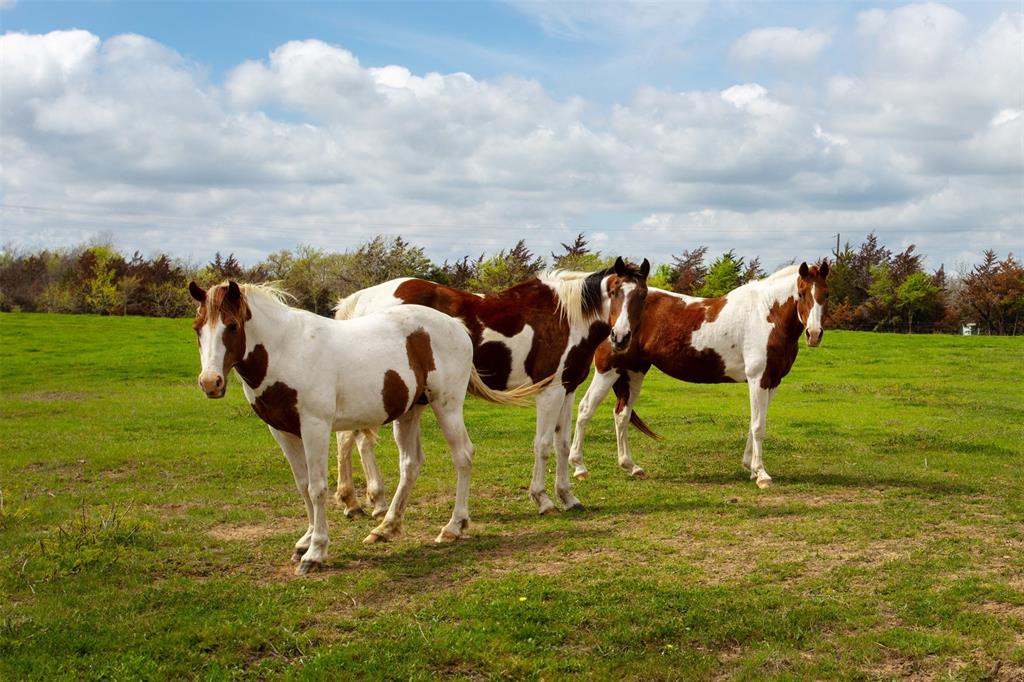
[233, 327]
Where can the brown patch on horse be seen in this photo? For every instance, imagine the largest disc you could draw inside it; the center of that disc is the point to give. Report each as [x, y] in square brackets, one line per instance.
[621, 388]
[395, 395]
[253, 368]
[278, 407]
[783, 342]
[664, 340]
[713, 306]
[507, 312]
[421, 359]
[580, 356]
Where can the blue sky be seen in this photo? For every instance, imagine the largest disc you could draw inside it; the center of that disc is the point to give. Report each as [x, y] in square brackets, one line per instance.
[764, 127]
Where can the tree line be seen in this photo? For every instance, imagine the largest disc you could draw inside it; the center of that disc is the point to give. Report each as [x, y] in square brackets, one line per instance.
[871, 287]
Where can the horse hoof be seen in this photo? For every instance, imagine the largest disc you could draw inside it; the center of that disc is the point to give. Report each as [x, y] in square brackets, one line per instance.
[298, 554]
[354, 513]
[379, 513]
[446, 536]
[577, 507]
[549, 511]
[639, 473]
[764, 483]
[374, 538]
[307, 566]
[582, 475]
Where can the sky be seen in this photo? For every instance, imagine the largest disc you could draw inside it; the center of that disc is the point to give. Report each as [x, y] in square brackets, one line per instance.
[763, 127]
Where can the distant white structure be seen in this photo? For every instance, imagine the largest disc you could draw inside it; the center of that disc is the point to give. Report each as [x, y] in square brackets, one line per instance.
[970, 329]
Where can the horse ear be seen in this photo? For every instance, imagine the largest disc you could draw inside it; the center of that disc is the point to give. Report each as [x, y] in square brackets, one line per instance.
[620, 267]
[804, 271]
[823, 268]
[234, 293]
[196, 291]
[645, 268]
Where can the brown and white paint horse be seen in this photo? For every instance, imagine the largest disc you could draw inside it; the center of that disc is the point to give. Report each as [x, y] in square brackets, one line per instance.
[544, 327]
[306, 376]
[751, 334]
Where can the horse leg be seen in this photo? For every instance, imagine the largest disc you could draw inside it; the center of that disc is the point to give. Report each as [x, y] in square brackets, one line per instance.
[454, 429]
[291, 446]
[345, 495]
[760, 398]
[563, 486]
[549, 405]
[627, 390]
[316, 438]
[596, 393]
[410, 459]
[375, 493]
[748, 451]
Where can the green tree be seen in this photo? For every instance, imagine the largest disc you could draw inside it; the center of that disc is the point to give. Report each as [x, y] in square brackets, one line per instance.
[506, 269]
[100, 295]
[723, 275]
[578, 256]
[661, 278]
[881, 303]
[916, 294]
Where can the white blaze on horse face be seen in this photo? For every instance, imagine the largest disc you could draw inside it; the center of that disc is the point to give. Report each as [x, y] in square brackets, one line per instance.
[621, 328]
[211, 357]
[814, 319]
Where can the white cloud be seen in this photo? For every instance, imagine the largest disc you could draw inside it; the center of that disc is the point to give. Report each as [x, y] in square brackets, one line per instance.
[780, 45]
[309, 145]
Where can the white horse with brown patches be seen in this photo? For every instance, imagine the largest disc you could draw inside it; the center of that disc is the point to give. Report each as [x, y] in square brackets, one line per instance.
[306, 376]
[544, 327]
[751, 334]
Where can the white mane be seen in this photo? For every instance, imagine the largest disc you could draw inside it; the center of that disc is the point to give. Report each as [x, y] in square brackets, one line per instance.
[268, 291]
[784, 272]
[569, 290]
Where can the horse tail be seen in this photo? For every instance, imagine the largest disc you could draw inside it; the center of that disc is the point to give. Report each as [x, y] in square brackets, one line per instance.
[345, 308]
[513, 396]
[642, 426]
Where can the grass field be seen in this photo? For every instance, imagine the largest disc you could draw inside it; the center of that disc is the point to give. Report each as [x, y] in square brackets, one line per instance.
[145, 531]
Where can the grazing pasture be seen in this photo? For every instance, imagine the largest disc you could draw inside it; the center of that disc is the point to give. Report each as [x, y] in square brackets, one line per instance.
[145, 530]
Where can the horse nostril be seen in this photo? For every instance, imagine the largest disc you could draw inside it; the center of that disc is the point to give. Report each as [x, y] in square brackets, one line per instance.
[220, 382]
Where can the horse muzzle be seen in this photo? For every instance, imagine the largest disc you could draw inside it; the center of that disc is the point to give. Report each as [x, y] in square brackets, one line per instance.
[213, 384]
[814, 337]
[620, 344]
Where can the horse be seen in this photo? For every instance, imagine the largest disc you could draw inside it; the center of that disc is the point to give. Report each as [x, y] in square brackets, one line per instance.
[307, 375]
[751, 334]
[543, 327]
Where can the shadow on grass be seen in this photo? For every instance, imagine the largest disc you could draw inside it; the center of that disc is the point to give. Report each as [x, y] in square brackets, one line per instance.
[866, 480]
[437, 562]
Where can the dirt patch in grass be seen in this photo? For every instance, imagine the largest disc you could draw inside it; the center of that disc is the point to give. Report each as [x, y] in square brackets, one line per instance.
[52, 396]
[255, 531]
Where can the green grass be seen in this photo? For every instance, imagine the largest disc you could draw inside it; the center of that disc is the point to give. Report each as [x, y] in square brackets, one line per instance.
[145, 531]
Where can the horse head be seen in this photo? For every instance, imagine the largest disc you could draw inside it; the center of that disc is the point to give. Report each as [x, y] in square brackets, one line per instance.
[812, 300]
[626, 287]
[220, 328]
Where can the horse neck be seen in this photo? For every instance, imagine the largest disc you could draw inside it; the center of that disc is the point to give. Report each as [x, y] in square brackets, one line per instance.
[269, 324]
[778, 292]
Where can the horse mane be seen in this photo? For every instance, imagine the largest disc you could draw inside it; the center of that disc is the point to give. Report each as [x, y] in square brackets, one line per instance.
[578, 293]
[784, 272]
[267, 291]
